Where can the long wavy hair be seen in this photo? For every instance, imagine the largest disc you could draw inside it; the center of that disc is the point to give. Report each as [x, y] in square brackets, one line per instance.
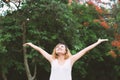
[67, 54]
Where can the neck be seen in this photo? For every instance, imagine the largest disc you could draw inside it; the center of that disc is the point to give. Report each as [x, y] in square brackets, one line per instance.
[61, 57]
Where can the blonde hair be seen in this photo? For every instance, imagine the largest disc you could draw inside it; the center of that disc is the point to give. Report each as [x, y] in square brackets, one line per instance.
[67, 54]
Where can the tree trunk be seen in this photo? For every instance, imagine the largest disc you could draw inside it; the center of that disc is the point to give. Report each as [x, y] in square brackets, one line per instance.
[28, 73]
[4, 76]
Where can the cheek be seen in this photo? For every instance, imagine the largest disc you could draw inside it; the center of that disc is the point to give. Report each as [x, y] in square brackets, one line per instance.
[65, 51]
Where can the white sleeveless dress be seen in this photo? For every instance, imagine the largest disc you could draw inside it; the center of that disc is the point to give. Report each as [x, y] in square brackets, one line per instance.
[61, 72]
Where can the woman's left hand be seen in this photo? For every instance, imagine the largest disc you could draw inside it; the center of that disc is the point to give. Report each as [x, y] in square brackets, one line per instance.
[102, 40]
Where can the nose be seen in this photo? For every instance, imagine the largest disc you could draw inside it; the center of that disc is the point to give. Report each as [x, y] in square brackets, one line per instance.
[60, 47]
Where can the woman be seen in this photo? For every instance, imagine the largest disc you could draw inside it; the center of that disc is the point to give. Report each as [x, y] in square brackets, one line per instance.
[61, 59]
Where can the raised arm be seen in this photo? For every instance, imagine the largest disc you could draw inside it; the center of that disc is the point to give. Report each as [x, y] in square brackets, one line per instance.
[85, 50]
[69, 2]
[40, 50]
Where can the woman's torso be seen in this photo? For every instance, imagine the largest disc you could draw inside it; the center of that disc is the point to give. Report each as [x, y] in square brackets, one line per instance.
[61, 72]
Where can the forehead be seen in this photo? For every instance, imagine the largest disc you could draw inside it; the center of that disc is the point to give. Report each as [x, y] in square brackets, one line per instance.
[60, 45]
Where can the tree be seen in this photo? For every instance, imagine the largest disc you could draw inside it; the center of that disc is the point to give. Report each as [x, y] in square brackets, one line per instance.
[48, 22]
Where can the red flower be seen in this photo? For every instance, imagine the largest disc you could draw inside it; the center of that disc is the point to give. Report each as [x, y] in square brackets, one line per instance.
[117, 36]
[86, 23]
[98, 9]
[113, 54]
[96, 20]
[115, 26]
[116, 43]
[101, 18]
[104, 24]
[90, 3]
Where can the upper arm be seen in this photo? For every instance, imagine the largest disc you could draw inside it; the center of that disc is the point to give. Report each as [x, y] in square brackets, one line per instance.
[46, 55]
[77, 56]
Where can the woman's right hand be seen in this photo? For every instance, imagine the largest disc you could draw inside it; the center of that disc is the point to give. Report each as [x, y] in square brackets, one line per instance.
[27, 44]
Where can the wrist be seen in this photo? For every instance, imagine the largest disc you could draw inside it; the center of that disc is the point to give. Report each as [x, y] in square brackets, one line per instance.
[98, 42]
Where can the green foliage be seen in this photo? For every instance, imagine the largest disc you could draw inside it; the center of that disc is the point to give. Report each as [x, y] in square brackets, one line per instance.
[116, 17]
[49, 22]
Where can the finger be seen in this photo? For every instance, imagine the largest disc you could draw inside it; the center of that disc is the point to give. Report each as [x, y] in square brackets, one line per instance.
[105, 39]
[24, 45]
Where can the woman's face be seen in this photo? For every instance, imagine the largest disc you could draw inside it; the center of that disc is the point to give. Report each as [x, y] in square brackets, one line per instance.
[60, 49]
